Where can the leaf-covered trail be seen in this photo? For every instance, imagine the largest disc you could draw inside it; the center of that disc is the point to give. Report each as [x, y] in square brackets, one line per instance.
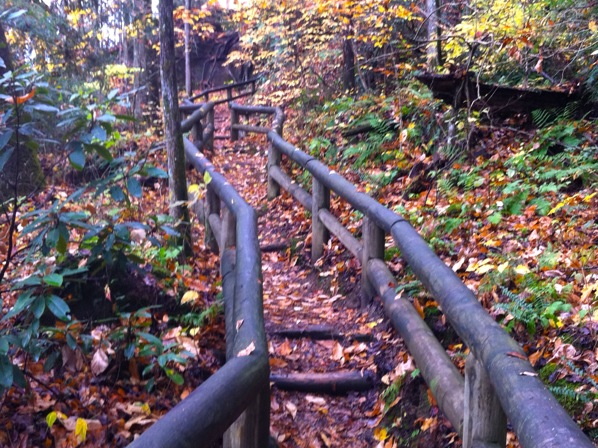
[298, 294]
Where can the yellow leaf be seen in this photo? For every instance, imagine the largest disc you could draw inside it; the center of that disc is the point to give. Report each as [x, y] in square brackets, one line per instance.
[190, 296]
[81, 429]
[593, 26]
[193, 188]
[51, 418]
[485, 268]
[522, 269]
[380, 434]
[501, 268]
[207, 178]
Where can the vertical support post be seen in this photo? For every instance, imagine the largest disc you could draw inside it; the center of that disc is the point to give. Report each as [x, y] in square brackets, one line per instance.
[229, 227]
[373, 247]
[229, 94]
[209, 143]
[234, 119]
[484, 423]
[274, 157]
[252, 428]
[197, 134]
[319, 232]
[212, 205]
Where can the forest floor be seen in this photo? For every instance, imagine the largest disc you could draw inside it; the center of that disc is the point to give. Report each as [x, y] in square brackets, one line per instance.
[521, 250]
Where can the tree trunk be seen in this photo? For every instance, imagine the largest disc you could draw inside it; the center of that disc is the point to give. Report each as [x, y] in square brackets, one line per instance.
[172, 125]
[434, 42]
[348, 61]
[140, 60]
[187, 51]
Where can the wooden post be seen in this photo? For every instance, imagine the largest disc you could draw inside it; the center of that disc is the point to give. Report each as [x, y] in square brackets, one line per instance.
[373, 247]
[319, 232]
[197, 134]
[274, 158]
[229, 94]
[212, 205]
[485, 423]
[229, 228]
[209, 143]
[234, 119]
[252, 428]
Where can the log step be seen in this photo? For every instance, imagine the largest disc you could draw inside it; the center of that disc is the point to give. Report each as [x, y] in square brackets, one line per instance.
[330, 382]
[320, 332]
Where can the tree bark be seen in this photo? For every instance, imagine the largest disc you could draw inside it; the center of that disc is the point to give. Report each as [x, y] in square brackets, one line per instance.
[434, 45]
[187, 51]
[172, 125]
[140, 59]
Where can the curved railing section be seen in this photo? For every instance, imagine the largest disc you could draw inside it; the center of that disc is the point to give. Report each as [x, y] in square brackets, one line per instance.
[233, 402]
[499, 384]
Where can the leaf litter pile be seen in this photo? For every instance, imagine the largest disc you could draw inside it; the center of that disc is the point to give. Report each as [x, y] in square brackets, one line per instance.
[530, 257]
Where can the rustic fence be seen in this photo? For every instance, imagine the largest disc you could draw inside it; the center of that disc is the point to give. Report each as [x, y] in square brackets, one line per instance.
[234, 403]
[500, 385]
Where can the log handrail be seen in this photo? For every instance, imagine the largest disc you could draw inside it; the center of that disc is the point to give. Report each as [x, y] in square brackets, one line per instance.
[499, 383]
[233, 402]
[228, 88]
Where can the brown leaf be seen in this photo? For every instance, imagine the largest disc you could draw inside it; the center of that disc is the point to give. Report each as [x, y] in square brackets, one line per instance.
[99, 362]
[517, 355]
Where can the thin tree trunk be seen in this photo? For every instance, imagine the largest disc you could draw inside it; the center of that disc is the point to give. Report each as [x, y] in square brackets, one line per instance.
[187, 51]
[434, 45]
[172, 125]
[348, 60]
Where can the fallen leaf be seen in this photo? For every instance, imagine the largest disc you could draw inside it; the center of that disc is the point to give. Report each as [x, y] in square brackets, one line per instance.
[247, 351]
[315, 400]
[289, 406]
[517, 355]
[99, 362]
[190, 296]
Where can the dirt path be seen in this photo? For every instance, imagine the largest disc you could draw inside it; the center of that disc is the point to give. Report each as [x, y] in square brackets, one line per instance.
[297, 295]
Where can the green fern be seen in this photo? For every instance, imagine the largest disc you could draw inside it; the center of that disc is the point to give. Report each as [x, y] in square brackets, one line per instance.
[546, 117]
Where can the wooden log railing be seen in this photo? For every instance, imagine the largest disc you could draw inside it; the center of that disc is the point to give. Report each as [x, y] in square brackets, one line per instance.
[230, 89]
[500, 385]
[235, 401]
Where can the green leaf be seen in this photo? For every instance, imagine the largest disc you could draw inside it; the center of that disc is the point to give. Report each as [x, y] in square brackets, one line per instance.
[206, 177]
[175, 377]
[77, 159]
[38, 307]
[150, 338]
[107, 118]
[5, 156]
[5, 137]
[112, 94]
[58, 307]
[24, 300]
[117, 193]
[156, 172]
[134, 187]
[3, 346]
[495, 218]
[53, 279]
[41, 107]
[6, 372]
